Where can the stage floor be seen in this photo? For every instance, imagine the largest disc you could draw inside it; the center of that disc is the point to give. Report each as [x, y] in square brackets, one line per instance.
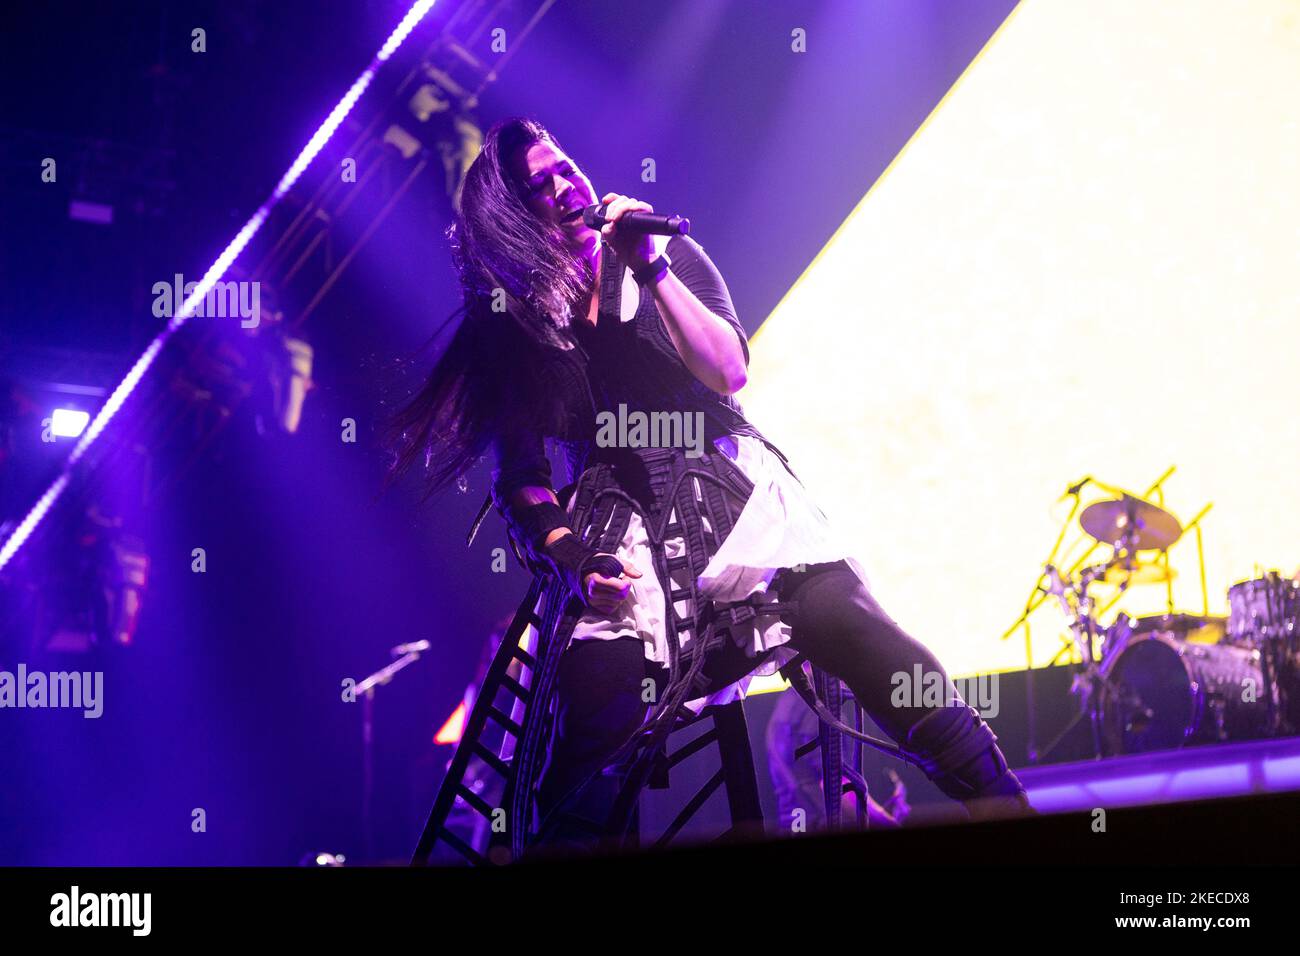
[1166, 776]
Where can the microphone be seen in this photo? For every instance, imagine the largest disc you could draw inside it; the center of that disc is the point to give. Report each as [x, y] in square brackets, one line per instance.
[415, 647]
[651, 222]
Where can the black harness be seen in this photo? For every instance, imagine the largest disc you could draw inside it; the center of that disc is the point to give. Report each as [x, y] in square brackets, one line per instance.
[696, 500]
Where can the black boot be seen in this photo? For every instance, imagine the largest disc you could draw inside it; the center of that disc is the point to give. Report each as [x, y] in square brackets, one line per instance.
[959, 752]
[581, 824]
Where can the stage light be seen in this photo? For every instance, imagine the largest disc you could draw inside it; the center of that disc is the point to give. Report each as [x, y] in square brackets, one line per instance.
[323, 858]
[428, 99]
[94, 597]
[290, 382]
[125, 575]
[68, 422]
[454, 727]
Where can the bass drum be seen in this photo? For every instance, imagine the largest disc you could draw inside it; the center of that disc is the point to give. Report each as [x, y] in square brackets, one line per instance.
[1162, 692]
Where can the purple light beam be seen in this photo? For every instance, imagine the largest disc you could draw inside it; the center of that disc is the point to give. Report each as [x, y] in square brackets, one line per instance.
[218, 269]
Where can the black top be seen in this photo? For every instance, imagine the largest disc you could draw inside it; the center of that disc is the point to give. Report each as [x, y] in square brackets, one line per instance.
[632, 363]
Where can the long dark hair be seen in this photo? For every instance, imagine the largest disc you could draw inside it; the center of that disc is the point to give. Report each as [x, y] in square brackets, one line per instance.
[488, 378]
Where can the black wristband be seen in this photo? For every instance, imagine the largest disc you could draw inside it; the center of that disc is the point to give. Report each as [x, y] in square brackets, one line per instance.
[572, 561]
[536, 522]
[652, 272]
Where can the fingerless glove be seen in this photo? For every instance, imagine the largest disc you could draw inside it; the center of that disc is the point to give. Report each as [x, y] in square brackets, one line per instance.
[572, 561]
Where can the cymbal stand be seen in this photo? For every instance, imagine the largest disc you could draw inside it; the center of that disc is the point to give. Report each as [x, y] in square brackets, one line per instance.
[1080, 608]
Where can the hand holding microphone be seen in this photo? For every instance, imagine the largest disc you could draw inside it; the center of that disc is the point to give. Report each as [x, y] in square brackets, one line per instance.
[627, 225]
[642, 218]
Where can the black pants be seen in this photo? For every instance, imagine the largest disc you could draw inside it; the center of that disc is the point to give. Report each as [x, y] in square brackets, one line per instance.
[838, 626]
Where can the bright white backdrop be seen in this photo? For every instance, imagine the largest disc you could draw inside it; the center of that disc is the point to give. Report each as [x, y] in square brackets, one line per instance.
[1087, 261]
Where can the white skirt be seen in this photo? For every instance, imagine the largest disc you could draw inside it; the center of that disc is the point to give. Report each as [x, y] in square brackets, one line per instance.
[779, 527]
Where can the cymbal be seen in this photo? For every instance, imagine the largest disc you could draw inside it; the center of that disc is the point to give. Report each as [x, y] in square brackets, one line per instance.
[1107, 521]
[1142, 572]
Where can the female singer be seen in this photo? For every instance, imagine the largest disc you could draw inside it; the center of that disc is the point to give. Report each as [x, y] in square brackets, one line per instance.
[563, 324]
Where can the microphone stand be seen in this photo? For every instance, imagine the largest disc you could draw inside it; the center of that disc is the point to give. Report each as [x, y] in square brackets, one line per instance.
[365, 690]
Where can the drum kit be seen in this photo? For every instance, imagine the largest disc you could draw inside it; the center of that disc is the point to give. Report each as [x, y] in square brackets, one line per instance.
[1173, 679]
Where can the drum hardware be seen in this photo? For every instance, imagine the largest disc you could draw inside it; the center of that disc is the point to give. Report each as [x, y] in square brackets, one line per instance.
[1173, 679]
[1264, 608]
[1161, 692]
[1092, 683]
[1263, 614]
[1138, 715]
[1134, 573]
[1038, 594]
[1177, 679]
[1130, 524]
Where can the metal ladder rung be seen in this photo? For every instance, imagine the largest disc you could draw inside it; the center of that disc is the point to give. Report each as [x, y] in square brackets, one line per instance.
[461, 847]
[505, 721]
[692, 807]
[456, 784]
[492, 760]
[474, 800]
[516, 688]
[695, 746]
